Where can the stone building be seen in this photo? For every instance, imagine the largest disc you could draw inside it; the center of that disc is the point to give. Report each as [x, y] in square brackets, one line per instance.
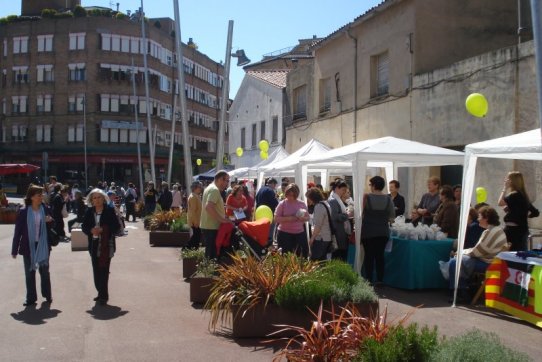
[62, 76]
[405, 68]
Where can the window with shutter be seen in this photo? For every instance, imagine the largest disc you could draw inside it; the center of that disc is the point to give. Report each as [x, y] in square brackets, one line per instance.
[382, 74]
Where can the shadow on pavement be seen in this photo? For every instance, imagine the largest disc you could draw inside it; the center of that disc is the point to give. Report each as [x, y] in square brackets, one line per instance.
[494, 313]
[106, 312]
[258, 344]
[427, 298]
[35, 316]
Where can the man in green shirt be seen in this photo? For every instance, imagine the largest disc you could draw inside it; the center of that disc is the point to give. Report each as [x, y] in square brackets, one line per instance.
[212, 212]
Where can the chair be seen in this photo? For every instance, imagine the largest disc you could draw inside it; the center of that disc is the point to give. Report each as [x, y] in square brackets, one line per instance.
[480, 280]
[531, 245]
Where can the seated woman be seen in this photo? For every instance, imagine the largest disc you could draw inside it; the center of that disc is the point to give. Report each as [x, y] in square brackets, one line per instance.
[447, 217]
[478, 258]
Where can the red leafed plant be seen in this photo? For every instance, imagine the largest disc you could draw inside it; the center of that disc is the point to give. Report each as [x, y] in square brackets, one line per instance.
[338, 339]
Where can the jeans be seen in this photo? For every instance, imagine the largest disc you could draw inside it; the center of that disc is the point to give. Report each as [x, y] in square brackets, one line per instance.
[468, 267]
[195, 240]
[30, 279]
[293, 243]
[209, 238]
[319, 249]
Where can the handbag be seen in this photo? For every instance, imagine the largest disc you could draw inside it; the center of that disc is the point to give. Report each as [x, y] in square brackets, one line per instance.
[52, 237]
[333, 245]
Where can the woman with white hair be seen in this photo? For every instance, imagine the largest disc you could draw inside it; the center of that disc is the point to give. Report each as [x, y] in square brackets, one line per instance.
[101, 225]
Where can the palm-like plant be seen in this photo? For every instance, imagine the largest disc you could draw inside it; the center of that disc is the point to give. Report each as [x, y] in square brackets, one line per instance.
[162, 220]
[248, 282]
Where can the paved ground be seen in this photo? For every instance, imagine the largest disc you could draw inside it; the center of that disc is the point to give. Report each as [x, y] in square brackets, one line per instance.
[149, 317]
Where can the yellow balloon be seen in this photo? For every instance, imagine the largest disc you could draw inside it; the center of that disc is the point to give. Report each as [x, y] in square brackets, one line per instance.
[481, 195]
[263, 155]
[263, 211]
[264, 145]
[198, 162]
[239, 151]
[477, 105]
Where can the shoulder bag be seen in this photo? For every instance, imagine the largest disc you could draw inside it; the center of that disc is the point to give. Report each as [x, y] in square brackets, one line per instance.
[333, 245]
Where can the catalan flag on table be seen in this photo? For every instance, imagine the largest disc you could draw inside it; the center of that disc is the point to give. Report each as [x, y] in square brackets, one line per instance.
[510, 287]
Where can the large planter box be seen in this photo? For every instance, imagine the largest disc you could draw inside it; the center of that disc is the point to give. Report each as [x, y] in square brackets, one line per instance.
[200, 289]
[259, 322]
[7, 216]
[189, 267]
[168, 238]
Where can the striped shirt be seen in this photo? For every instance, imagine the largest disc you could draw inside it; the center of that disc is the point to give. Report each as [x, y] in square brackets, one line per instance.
[491, 242]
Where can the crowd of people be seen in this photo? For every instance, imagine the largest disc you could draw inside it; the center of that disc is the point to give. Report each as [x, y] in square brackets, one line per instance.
[320, 228]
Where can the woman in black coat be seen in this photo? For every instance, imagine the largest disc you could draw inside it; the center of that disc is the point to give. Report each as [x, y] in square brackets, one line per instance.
[101, 225]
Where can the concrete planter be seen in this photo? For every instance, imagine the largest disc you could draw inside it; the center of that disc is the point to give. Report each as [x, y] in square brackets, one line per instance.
[200, 289]
[8, 216]
[259, 322]
[168, 238]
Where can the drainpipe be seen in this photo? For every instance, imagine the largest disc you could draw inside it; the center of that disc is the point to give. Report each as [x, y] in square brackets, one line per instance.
[355, 128]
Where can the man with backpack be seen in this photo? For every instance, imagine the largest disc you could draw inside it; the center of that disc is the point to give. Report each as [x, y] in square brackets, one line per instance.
[130, 199]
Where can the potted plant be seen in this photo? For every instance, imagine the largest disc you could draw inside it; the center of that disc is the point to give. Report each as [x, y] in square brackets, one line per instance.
[257, 295]
[168, 228]
[191, 258]
[202, 281]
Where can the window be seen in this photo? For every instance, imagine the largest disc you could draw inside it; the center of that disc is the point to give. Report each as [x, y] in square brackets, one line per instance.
[115, 103]
[115, 43]
[77, 41]
[262, 130]
[75, 133]
[275, 136]
[18, 105]
[125, 44]
[4, 106]
[300, 102]
[77, 72]
[325, 95]
[243, 144]
[20, 45]
[5, 48]
[4, 78]
[134, 45]
[45, 73]
[44, 103]
[43, 133]
[104, 103]
[106, 42]
[380, 74]
[254, 126]
[20, 75]
[18, 133]
[76, 103]
[45, 43]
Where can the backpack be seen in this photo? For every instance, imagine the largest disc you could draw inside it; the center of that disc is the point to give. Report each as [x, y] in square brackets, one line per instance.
[129, 196]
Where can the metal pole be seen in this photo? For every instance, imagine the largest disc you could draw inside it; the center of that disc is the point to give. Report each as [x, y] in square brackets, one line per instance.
[139, 165]
[149, 125]
[225, 97]
[85, 138]
[537, 29]
[173, 120]
[182, 99]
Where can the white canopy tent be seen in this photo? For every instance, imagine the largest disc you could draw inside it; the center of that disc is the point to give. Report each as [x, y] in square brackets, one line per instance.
[288, 165]
[387, 152]
[521, 146]
[278, 154]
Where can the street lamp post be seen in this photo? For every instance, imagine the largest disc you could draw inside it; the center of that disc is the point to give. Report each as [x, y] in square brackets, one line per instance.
[85, 138]
[242, 60]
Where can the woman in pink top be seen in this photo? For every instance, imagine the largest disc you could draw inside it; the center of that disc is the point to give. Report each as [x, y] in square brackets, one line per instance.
[291, 215]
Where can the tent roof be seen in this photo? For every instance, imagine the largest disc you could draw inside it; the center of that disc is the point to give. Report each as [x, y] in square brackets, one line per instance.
[312, 148]
[382, 151]
[209, 175]
[279, 153]
[524, 146]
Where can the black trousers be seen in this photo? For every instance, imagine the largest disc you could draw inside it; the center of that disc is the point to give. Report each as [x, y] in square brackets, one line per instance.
[195, 240]
[101, 277]
[517, 236]
[293, 243]
[130, 210]
[30, 280]
[374, 254]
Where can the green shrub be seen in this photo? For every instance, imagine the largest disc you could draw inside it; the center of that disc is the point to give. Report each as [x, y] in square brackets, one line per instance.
[63, 15]
[335, 281]
[4, 21]
[206, 268]
[157, 24]
[198, 253]
[79, 12]
[120, 16]
[476, 346]
[106, 13]
[402, 344]
[12, 18]
[94, 12]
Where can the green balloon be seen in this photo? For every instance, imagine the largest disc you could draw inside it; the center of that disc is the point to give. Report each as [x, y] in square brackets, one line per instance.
[477, 105]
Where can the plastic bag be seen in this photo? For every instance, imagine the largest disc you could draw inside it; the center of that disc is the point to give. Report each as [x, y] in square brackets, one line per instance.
[444, 269]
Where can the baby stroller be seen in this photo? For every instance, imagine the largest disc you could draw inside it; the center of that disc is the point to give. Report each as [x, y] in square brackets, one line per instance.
[254, 234]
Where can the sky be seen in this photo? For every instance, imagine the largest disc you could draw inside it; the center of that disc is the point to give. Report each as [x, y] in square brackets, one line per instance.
[259, 27]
